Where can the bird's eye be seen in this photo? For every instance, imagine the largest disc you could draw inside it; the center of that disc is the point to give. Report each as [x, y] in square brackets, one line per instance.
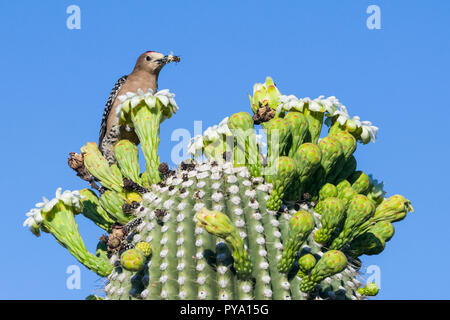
[148, 58]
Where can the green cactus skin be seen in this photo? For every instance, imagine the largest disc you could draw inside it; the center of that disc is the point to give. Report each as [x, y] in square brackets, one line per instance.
[262, 236]
[360, 209]
[300, 226]
[127, 156]
[360, 182]
[332, 262]
[91, 209]
[298, 126]
[109, 176]
[306, 263]
[286, 168]
[189, 263]
[246, 150]
[272, 238]
[332, 213]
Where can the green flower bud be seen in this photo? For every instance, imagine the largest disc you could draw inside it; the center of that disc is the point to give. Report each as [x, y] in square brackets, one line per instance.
[145, 247]
[371, 289]
[240, 120]
[98, 166]
[373, 240]
[348, 168]
[347, 194]
[112, 202]
[360, 209]
[331, 151]
[300, 226]
[298, 126]
[332, 213]
[265, 94]
[215, 222]
[127, 156]
[92, 209]
[384, 229]
[281, 180]
[315, 122]
[218, 224]
[393, 209]
[327, 191]
[308, 158]
[360, 182]
[348, 143]
[246, 151]
[306, 263]
[133, 260]
[368, 243]
[58, 219]
[332, 262]
[278, 137]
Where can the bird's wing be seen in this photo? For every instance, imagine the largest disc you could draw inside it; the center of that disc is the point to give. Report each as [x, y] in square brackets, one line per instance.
[108, 106]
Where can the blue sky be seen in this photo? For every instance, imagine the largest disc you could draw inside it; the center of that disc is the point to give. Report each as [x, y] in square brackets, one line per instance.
[55, 82]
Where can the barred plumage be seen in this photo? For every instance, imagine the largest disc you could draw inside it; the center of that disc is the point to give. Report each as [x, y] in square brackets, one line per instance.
[108, 107]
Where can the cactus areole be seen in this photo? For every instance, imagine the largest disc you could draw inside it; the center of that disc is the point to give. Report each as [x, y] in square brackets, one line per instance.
[289, 224]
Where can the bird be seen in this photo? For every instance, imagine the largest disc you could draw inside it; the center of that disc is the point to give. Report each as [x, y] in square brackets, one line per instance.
[144, 76]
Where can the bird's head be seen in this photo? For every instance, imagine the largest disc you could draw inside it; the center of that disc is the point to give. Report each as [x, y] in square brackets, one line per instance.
[153, 62]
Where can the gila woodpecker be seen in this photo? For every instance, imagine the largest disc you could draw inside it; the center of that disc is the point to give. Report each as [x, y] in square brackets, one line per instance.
[144, 76]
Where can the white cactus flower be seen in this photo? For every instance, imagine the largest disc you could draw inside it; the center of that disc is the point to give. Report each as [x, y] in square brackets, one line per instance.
[195, 145]
[368, 131]
[288, 103]
[211, 134]
[223, 128]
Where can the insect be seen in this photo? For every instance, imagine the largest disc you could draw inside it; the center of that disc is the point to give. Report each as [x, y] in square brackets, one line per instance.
[160, 213]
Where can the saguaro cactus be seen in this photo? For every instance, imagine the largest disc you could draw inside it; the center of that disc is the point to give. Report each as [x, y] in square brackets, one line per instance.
[291, 224]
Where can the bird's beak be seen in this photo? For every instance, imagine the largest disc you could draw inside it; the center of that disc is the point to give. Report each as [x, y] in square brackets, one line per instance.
[168, 59]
